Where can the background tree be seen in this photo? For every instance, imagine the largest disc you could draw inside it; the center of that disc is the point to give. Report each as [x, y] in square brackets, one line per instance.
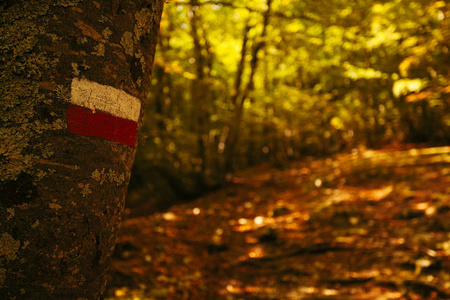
[330, 77]
[74, 77]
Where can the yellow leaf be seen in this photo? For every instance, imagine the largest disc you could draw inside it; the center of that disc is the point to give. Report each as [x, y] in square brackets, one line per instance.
[418, 96]
[406, 64]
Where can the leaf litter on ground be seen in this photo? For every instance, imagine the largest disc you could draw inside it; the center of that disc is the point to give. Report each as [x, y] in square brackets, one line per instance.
[373, 224]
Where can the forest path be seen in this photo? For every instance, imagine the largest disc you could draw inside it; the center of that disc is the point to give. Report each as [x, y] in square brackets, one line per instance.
[368, 225]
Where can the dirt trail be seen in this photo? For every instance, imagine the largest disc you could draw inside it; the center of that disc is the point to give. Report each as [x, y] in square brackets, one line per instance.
[368, 225]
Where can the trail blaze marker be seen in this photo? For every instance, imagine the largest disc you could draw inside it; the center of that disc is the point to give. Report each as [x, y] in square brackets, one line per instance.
[103, 111]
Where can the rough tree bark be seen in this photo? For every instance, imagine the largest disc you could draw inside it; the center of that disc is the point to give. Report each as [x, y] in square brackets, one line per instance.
[74, 76]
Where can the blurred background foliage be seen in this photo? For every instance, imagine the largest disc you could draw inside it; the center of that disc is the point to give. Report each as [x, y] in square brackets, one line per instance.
[244, 82]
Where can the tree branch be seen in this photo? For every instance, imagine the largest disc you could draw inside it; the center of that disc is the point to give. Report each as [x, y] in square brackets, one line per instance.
[233, 6]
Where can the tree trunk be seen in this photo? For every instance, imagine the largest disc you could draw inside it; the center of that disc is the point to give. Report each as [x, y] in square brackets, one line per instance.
[74, 77]
[240, 96]
[200, 92]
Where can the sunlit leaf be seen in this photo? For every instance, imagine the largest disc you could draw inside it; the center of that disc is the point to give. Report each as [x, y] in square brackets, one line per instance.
[405, 86]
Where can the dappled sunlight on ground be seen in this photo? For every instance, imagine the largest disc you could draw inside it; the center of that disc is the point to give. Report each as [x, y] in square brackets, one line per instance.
[367, 225]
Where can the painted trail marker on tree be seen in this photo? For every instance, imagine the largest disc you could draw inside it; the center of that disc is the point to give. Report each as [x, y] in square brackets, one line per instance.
[103, 111]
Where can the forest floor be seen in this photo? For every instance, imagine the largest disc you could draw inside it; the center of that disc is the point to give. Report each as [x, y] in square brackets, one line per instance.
[367, 225]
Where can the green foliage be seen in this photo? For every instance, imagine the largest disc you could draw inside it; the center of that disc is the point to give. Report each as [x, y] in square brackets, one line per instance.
[330, 76]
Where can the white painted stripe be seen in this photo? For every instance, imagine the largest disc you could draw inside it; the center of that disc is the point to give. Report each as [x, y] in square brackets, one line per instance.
[96, 96]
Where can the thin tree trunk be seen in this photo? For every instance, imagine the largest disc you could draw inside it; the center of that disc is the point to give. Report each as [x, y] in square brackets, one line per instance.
[200, 99]
[241, 65]
[240, 98]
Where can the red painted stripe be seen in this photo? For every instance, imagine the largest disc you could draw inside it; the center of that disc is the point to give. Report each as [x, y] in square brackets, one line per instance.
[84, 121]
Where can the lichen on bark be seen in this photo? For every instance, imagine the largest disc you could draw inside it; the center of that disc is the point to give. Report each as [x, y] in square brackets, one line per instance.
[63, 193]
[127, 43]
[21, 70]
[108, 176]
[8, 247]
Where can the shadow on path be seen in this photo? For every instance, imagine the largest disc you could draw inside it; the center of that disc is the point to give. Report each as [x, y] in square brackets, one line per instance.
[370, 225]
